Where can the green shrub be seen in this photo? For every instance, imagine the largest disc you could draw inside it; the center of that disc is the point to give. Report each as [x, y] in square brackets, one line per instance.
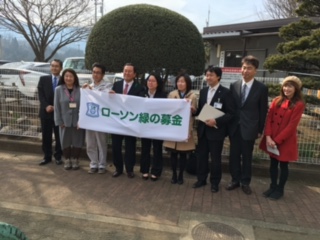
[148, 36]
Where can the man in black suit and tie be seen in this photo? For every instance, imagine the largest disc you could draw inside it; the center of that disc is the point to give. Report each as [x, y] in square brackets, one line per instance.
[211, 134]
[46, 87]
[251, 99]
[130, 87]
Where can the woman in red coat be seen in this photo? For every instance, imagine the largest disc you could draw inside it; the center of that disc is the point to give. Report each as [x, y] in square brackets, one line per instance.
[281, 133]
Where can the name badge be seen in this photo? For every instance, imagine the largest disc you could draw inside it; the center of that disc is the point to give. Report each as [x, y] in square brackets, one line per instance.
[217, 105]
[72, 105]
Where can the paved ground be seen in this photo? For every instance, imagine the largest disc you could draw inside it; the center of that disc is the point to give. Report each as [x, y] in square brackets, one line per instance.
[51, 203]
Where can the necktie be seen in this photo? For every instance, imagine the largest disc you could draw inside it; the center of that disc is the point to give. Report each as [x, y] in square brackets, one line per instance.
[125, 91]
[210, 95]
[54, 85]
[243, 94]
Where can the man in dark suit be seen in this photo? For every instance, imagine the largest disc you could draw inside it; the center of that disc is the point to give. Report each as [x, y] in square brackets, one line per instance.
[130, 87]
[212, 132]
[46, 87]
[251, 99]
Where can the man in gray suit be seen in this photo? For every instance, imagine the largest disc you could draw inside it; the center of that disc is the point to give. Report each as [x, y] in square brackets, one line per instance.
[251, 101]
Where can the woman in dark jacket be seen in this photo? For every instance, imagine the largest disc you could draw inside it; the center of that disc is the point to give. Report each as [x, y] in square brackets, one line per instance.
[153, 90]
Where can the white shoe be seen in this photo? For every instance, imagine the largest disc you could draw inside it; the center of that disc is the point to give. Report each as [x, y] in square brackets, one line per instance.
[67, 164]
[75, 164]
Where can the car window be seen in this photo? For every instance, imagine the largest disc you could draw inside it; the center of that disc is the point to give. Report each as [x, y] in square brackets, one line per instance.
[76, 64]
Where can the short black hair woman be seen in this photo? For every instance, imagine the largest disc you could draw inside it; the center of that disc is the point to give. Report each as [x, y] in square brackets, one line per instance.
[281, 133]
[66, 109]
[153, 90]
[183, 86]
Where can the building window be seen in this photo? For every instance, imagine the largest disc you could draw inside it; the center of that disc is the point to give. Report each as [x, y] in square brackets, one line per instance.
[233, 58]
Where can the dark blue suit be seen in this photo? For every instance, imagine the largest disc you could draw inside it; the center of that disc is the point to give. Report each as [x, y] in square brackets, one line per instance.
[210, 139]
[130, 142]
[247, 124]
[46, 96]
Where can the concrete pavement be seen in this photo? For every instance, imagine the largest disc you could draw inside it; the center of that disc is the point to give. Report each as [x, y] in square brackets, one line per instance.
[47, 202]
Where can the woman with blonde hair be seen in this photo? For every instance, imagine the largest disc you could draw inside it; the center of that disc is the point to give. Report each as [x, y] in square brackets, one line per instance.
[281, 134]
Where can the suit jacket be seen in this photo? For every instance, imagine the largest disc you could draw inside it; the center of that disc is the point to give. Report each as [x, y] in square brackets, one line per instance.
[251, 115]
[223, 96]
[63, 113]
[135, 90]
[46, 96]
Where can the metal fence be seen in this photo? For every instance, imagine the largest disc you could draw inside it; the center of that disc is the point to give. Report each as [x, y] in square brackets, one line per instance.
[19, 117]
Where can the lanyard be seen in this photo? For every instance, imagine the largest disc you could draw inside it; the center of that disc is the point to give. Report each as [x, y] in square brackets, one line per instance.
[71, 97]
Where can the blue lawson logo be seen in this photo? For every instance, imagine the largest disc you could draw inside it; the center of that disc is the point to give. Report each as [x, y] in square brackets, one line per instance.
[92, 110]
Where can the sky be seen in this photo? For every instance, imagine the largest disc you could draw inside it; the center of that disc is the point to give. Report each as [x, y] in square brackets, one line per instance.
[222, 12]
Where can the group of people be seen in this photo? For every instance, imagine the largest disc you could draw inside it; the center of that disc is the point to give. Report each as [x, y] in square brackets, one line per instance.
[245, 119]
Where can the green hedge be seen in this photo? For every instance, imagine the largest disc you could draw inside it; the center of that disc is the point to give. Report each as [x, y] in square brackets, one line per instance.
[148, 36]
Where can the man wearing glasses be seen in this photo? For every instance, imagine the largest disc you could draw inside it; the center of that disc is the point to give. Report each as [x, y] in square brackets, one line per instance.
[97, 141]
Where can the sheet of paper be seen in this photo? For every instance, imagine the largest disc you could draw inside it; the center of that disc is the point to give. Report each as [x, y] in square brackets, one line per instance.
[274, 150]
[209, 112]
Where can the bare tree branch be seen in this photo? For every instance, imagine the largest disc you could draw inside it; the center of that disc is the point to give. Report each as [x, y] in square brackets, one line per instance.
[277, 9]
[47, 23]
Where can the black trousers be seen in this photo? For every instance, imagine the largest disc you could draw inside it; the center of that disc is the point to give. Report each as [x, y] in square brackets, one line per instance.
[240, 161]
[274, 175]
[157, 161]
[47, 127]
[130, 152]
[214, 148]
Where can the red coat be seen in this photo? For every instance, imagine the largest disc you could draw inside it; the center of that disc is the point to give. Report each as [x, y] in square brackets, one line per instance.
[281, 126]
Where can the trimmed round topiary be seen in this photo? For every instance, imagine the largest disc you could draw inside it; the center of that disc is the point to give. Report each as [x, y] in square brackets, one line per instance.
[149, 37]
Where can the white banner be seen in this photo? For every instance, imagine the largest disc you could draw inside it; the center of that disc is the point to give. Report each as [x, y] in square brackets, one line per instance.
[165, 119]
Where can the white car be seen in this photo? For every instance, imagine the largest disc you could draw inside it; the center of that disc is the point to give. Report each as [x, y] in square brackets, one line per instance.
[85, 75]
[23, 77]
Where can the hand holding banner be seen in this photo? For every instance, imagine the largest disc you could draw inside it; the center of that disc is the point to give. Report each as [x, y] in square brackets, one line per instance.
[164, 119]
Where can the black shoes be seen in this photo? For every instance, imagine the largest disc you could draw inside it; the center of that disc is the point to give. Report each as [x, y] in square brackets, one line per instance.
[58, 161]
[178, 180]
[232, 185]
[276, 194]
[174, 178]
[116, 174]
[214, 188]
[44, 162]
[199, 184]
[246, 189]
[130, 174]
[268, 192]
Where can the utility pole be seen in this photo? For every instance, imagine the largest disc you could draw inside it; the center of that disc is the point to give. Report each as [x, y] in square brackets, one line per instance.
[96, 3]
[208, 19]
[0, 46]
[102, 8]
